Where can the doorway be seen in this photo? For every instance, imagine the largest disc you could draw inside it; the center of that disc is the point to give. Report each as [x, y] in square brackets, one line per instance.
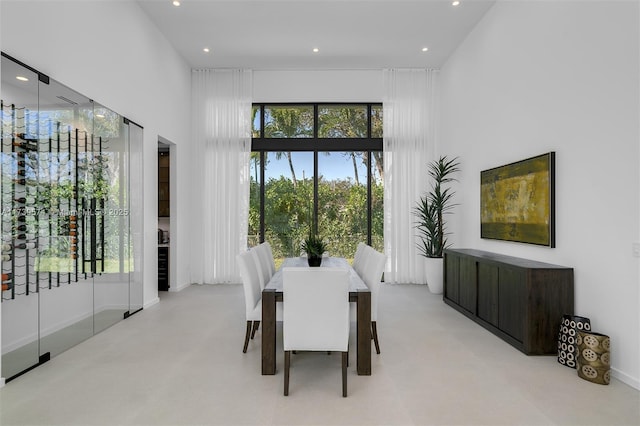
[166, 215]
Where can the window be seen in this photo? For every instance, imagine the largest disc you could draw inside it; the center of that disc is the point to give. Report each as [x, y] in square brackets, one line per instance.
[316, 167]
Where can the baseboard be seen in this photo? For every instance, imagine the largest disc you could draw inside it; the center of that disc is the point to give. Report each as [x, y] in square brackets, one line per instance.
[151, 303]
[180, 287]
[625, 378]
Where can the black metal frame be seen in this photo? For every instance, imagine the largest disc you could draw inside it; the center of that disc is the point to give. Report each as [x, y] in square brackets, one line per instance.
[315, 144]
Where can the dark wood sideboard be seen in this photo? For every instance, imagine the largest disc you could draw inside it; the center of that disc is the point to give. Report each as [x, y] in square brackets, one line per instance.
[521, 301]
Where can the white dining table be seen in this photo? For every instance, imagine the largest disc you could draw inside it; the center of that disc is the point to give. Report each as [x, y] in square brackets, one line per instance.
[355, 282]
[358, 293]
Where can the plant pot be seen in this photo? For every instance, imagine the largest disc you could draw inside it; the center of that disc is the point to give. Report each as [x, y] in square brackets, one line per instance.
[314, 260]
[433, 269]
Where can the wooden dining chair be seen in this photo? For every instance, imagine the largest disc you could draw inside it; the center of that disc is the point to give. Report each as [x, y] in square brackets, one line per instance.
[315, 314]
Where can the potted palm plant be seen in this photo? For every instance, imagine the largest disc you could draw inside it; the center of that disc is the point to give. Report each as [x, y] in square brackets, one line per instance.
[430, 211]
[314, 246]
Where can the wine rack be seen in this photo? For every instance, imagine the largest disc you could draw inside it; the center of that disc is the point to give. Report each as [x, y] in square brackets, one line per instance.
[52, 225]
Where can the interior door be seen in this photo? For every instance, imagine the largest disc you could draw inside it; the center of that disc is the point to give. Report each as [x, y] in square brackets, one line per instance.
[19, 141]
[135, 217]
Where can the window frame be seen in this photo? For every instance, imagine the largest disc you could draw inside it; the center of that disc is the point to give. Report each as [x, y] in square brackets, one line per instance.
[316, 145]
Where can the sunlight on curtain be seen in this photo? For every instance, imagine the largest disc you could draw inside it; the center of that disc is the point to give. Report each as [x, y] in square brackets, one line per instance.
[221, 128]
[409, 113]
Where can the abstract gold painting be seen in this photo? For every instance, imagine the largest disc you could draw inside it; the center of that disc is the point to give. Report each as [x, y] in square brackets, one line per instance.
[517, 201]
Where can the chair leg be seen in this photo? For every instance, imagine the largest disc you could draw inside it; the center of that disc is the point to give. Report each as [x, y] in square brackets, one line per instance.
[246, 337]
[374, 334]
[345, 361]
[287, 364]
[256, 324]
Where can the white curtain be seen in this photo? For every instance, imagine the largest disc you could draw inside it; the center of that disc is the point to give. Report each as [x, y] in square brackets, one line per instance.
[221, 131]
[409, 108]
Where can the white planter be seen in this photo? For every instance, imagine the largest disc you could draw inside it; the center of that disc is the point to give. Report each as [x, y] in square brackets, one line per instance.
[433, 268]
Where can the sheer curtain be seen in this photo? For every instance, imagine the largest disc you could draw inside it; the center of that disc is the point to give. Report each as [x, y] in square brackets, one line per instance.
[221, 131]
[409, 133]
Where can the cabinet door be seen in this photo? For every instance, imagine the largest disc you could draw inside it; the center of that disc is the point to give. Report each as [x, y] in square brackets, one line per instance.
[467, 284]
[452, 277]
[488, 293]
[512, 301]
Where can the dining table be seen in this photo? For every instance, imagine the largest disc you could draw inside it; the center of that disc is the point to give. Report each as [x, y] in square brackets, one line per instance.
[359, 294]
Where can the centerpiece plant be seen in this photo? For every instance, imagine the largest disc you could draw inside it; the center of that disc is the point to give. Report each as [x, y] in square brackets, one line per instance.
[314, 246]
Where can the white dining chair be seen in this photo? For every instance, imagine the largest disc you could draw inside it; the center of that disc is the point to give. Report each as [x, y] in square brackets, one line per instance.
[373, 263]
[359, 258]
[260, 257]
[252, 295]
[315, 314]
[270, 259]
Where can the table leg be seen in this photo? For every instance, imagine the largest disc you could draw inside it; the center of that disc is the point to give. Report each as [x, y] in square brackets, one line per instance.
[268, 332]
[363, 363]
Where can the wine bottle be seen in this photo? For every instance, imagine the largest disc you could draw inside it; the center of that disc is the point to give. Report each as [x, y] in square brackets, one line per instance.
[26, 200]
[22, 163]
[72, 234]
[7, 286]
[26, 246]
[27, 146]
[22, 227]
[6, 277]
[21, 181]
[6, 247]
[6, 257]
[25, 236]
[21, 218]
[22, 172]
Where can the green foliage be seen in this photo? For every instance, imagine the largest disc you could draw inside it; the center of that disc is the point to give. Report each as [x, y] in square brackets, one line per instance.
[431, 208]
[342, 216]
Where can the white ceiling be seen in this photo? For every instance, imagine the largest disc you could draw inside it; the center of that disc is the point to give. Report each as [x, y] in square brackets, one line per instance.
[350, 34]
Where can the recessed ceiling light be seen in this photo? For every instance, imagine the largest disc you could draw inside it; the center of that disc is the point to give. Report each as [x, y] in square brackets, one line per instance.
[316, 50]
[206, 50]
[424, 49]
[176, 3]
[100, 115]
[21, 78]
[455, 3]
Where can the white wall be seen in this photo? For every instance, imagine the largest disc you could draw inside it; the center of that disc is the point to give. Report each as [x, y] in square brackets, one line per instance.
[111, 52]
[317, 86]
[559, 76]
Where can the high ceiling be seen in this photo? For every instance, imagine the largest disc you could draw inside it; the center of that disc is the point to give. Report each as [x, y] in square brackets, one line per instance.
[281, 34]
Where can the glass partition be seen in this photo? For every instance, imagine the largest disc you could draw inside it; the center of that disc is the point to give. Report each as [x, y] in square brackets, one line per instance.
[71, 231]
[107, 197]
[65, 126]
[135, 218]
[19, 124]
